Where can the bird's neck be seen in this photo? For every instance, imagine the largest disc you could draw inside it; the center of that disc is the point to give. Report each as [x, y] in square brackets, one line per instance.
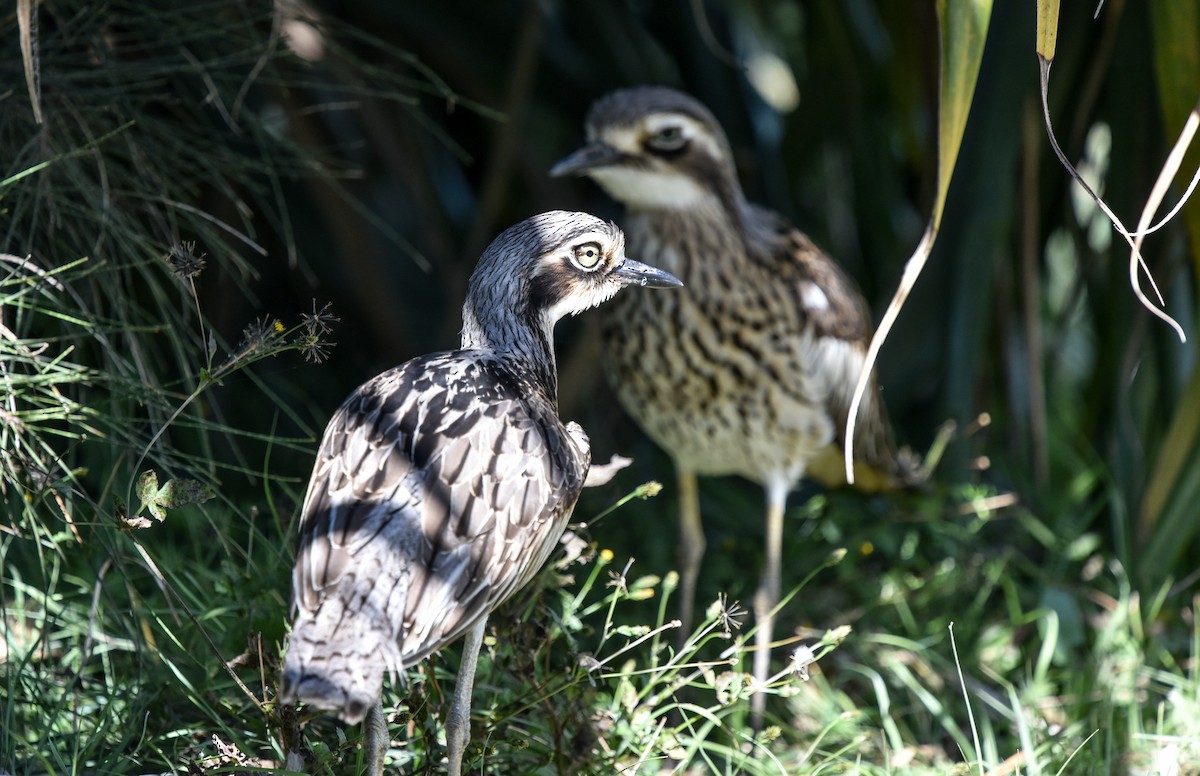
[670, 237]
[523, 340]
[724, 205]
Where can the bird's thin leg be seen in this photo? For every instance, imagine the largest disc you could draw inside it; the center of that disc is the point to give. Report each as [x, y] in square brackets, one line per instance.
[375, 739]
[766, 598]
[691, 547]
[458, 720]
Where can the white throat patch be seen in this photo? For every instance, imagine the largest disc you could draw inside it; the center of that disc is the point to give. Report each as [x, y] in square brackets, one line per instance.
[578, 301]
[650, 188]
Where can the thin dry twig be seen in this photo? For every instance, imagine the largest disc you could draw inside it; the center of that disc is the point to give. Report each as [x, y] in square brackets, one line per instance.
[1165, 176]
[1136, 260]
[261, 63]
[704, 27]
[27, 22]
[912, 271]
[28, 265]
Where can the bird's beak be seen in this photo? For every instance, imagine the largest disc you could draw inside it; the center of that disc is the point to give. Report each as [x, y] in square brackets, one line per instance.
[586, 159]
[635, 273]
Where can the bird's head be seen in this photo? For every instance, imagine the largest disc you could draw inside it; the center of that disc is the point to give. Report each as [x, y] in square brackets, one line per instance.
[546, 267]
[655, 148]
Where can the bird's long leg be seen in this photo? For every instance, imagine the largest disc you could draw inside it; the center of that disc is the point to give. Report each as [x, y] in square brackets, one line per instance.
[766, 598]
[375, 739]
[691, 547]
[458, 720]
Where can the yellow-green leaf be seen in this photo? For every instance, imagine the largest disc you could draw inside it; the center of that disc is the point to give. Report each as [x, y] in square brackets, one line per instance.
[963, 25]
[1179, 448]
[1047, 28]
[171, 494]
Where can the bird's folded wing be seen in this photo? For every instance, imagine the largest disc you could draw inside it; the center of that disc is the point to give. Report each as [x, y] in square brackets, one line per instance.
[436, 494]
[838, 329]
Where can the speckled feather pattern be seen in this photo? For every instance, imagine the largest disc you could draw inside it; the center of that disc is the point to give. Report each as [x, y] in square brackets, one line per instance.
[443, 485]
[749, 369]
[441, 488]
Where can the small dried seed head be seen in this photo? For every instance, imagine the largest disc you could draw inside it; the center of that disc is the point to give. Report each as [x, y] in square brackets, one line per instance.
[320, 321]
[731, 614]
[259, 335]
[184, 261]
[315, 349]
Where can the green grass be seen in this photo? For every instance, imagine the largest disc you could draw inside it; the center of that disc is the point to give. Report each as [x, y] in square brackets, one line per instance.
[154, 645]
[145, 635]
[158, 421]
[581, 672]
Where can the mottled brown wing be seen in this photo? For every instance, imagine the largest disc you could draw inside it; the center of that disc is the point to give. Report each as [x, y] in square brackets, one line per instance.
[438, 491]
[829, 298]
[832, 304]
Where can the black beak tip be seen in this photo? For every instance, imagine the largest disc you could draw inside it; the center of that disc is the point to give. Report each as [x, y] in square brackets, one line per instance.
[635, 273]
[563, 168]
[664, 280]
[584, 160]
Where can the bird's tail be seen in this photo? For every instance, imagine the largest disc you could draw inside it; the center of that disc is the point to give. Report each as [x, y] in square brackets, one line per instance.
[878, 464]
[336, 663]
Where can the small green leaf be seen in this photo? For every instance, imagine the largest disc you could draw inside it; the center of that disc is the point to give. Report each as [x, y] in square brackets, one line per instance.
[147, 486]
[171, 495]
[182, 493]
[631, 630]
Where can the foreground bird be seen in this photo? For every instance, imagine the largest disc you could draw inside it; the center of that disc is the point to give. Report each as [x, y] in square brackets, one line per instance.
[750, 369]
[442, 485]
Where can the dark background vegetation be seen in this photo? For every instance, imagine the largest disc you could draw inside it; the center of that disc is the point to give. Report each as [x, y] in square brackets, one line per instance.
[373, 173]
[854, 165]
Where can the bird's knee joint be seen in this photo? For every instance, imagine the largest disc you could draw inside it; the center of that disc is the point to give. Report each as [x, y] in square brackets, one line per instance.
[691, 550]
[458, 728]
[765, 598]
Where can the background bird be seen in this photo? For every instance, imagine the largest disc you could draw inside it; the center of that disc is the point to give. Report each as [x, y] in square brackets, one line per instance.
[750, 369]
[442, 485]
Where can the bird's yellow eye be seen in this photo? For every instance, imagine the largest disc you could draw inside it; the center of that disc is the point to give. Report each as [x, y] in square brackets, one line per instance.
[666, 139]
[587, 255]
